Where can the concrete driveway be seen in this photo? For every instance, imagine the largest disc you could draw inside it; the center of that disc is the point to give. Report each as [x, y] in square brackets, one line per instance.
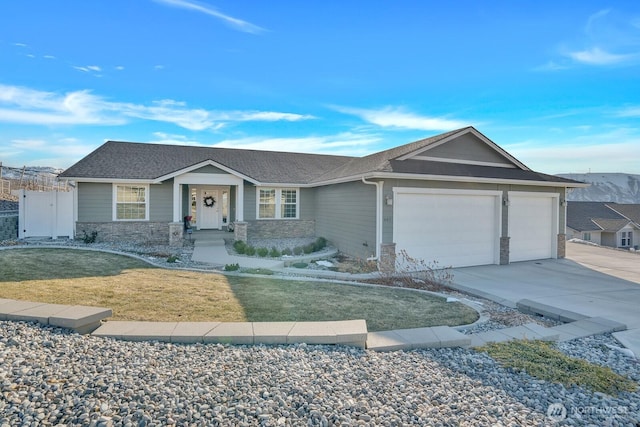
[592, 281]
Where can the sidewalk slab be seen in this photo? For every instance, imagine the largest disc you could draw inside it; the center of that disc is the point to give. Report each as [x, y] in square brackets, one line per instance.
[386, 341]
[419, 337]
[587, 327]
[312, 333]
[271, 332]
[629, 339]
[450, 337]
[230, 333]
[80, 318]
[192, 332]
[533, 307]
[13, 306]
[39, 313]
[489, 337]
[531, 331]
[350, 332]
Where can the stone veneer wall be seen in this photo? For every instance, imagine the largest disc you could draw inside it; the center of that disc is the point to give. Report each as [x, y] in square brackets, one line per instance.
[273, 229]
[504, 250]
[142, 232]
[562, 245]
[8, 226]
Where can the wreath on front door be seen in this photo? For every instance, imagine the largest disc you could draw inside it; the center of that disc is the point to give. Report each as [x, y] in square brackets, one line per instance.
[209, 201]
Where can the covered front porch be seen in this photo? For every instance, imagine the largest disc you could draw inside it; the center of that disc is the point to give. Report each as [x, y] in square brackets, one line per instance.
[207, 199]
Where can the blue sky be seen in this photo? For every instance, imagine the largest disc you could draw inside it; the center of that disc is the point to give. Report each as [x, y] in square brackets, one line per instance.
[557, 84]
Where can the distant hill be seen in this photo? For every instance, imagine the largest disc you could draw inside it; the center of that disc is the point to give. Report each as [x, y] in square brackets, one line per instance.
[605, 187]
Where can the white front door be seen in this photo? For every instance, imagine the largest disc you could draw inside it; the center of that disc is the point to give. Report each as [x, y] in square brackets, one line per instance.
[210, 209]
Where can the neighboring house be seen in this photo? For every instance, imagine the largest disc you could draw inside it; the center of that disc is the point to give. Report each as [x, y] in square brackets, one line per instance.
[455, 198]
[607, 224]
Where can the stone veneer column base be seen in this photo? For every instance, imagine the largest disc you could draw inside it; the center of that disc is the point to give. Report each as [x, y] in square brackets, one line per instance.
[562, 245]
[240, 231]
[387, 261]
[504, 250]
[176, 234]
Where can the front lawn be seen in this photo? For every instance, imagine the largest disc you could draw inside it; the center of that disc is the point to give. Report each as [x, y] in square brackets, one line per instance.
[137, 291]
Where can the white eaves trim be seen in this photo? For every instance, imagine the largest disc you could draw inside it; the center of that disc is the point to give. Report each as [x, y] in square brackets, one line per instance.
[109, 180]
[394, 175]
[464, 162]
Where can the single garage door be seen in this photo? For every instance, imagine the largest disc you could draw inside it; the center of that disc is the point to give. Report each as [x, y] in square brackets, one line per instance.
[452, 227]
[533, 225]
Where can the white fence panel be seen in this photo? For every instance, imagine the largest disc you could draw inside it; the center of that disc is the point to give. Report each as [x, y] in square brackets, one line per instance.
[46, 214]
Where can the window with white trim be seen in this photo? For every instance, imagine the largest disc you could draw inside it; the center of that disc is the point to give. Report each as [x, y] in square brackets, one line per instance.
[625, 239]
[278, 203]
[131, 202]
[586, 236]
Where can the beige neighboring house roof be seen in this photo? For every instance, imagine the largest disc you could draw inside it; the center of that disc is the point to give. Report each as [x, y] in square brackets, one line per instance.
[611, 225]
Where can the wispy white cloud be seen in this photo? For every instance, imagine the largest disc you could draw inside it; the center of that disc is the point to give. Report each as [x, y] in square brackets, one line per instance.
[56, 152]
[235, 23]
[20, 45]
[49, 57]
[119, 68]
[396, 117]
[158, 67]
[597, 56]
[633, 111]
[29, 106]
[609, 38]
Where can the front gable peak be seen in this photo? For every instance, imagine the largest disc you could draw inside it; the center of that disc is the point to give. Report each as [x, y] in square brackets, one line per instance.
[465, 147]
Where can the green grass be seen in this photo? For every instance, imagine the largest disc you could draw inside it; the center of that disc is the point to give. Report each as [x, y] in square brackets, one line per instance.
[541, 360]
[137, 291]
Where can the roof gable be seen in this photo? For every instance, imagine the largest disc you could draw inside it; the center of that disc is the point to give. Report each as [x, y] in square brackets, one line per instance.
[468, 147]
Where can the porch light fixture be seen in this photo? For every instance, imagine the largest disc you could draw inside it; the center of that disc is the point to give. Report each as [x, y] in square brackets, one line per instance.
[388, 201]
[505, 202]
[563, 202]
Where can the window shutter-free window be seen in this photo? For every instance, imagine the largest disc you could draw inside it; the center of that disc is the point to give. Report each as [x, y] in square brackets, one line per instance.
[267, 207]
[131, 202]
[278, 203]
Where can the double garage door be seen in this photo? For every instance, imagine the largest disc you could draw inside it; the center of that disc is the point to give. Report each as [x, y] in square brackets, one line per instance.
[463, 227]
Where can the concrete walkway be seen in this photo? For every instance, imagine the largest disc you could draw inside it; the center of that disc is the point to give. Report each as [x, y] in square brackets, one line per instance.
[209, 248]
[582, 284]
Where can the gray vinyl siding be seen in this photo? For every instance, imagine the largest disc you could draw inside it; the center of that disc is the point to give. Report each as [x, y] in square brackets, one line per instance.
[466, 147]
[209, 169]
[249, 202]
[186, 201]
[95, 202]
[161, 201]
[307, 203]
[609, 239]
[346, 216]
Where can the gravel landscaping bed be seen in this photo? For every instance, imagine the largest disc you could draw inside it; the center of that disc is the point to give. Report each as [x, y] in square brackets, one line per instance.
[50, 376]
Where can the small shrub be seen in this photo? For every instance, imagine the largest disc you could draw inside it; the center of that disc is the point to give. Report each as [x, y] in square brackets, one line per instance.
[172, 259]
[307, 249]
[298, 250]
[231, 267]
[274, 253]
[287, 251]
[319, 244]
[300, 265]
[416, 273]
[262, 252]
[542, 360]
[239, 246]
[89, 237]
[250, 250]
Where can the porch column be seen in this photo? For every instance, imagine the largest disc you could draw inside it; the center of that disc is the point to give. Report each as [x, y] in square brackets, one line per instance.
[177, 201]
[240, 202]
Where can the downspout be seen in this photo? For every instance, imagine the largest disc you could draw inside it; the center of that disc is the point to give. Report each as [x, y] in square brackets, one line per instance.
[379, 188]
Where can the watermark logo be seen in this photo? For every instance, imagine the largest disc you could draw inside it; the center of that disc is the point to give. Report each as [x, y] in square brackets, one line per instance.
[556, 412]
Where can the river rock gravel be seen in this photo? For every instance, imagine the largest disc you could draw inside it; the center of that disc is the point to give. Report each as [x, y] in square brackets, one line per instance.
[50, 376]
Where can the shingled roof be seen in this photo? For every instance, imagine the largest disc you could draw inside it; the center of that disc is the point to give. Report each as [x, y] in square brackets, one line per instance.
[596, 216]
[129, 160]
[137, 161]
